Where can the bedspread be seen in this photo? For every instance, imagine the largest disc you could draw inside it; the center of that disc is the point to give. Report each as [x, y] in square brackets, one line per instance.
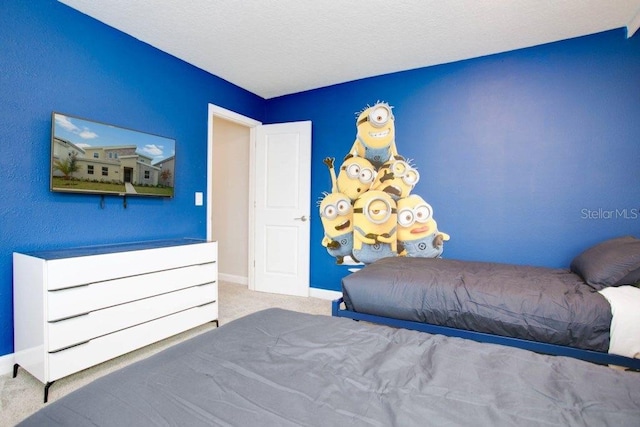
[535, 303]
[281, 368]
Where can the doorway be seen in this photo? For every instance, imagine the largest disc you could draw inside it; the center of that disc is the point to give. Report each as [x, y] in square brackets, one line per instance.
[237, 185]
[229, 191]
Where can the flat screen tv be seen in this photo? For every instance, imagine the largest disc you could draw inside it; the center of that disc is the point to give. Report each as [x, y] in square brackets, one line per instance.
[98, 158]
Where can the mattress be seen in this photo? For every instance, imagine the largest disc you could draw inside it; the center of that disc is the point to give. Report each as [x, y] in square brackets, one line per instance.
[282, 368]
[535, 303]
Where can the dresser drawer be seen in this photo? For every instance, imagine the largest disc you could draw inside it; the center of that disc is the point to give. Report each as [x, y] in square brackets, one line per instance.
[71, 302]
[69, 332]
[77, 307]
[74, 359]
[70, 272]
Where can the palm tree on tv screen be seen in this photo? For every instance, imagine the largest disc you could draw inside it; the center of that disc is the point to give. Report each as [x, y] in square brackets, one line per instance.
[67, 166]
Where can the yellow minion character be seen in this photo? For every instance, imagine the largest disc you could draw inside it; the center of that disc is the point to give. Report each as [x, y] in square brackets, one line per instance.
[374, 227]
[375, 137]
[418, 234]
[397, 178]
[336, 214]
[355, 176]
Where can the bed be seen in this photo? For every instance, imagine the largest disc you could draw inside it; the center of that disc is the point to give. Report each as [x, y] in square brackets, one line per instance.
[589, 311]
[283, 368]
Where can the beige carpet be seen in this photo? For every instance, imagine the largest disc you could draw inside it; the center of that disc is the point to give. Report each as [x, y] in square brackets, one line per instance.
[23, 395]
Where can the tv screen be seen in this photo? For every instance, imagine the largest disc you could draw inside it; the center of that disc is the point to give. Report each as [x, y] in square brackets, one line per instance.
[97, 158]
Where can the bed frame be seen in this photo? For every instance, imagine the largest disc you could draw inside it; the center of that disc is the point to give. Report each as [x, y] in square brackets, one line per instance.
[337, 310]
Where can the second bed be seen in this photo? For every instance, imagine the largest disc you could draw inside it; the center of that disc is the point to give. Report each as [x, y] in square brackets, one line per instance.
[554, 307]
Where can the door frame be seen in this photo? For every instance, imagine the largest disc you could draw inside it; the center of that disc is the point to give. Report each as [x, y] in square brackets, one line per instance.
[223, 113]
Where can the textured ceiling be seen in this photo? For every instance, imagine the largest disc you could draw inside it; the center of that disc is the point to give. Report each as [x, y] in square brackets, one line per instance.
[278, 47]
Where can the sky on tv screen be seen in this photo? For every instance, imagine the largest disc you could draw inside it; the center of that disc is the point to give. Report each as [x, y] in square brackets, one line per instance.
[85, 133]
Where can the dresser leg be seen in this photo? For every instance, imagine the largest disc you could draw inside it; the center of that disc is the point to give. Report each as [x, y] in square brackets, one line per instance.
[15, 370]
[46, 390]
[216, 322]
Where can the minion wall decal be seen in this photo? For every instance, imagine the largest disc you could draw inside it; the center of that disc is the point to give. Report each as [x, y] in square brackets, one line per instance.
[397, 178]
[376, 133]
[374, 227]
[418, 234]
[370, 213]
[355, 176]
[336, 214]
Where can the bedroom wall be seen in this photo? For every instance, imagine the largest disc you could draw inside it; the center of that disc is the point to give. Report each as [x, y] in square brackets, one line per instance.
[527, 157]
[52, 58]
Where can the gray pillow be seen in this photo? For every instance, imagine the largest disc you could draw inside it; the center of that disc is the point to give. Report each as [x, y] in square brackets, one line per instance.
[633, 278]
[613, 262]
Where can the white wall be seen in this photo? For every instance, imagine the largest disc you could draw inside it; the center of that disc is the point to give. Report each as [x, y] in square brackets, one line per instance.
[230, 184]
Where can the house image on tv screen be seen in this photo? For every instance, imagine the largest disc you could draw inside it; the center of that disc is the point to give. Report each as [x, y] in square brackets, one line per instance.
[167, 167]
[85, 167]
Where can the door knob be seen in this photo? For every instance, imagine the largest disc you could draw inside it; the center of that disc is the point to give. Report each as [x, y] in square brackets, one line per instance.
[303, 218]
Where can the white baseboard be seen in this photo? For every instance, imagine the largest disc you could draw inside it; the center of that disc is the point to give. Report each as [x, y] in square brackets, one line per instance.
[231, 278]
[324, 294]
[6, 364]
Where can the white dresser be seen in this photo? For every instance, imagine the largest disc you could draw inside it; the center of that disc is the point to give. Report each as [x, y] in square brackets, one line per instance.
[79, 307]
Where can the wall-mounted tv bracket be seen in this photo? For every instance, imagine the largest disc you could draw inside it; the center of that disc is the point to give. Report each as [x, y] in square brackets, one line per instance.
[124, 201]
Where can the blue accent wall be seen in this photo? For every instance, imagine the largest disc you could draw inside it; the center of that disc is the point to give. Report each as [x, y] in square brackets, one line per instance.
[527, 157]
[53, 58]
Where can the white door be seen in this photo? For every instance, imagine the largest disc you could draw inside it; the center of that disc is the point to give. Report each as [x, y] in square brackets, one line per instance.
[282, 204]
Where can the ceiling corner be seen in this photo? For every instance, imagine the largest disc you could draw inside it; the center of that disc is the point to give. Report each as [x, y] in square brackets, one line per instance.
[633, 24]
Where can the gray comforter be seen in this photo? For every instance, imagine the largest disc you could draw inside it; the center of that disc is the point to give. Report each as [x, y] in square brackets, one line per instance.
[281, 368]
[540, 304]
